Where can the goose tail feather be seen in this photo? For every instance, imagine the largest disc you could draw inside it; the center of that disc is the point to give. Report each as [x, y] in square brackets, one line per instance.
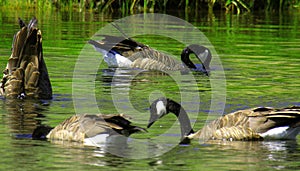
[26, 65]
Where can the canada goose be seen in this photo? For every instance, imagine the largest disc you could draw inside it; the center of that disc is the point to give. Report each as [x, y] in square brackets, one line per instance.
[250, 124]
[88, 129]
[26, 73]
[126, 52]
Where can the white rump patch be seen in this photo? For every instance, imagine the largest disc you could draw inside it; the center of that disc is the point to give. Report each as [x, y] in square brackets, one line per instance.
[123, 61]
[114, 59]
[161, 108]
[284, 132]
[117, 60]
[96, 141]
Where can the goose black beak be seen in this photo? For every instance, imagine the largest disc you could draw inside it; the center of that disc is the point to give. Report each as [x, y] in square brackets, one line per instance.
[150, 124]
[152, 119]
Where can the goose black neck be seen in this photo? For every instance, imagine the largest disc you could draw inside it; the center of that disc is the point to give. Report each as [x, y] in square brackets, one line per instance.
[185, 58]
[182, 116]
[196, 49]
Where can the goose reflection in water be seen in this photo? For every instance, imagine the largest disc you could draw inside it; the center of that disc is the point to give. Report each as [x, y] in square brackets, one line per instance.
[231, 155]
[23, 116]
[118, 77]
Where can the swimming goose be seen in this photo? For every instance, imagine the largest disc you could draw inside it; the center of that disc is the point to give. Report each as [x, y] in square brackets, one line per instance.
[26, 72]
[88, 129]
[127, 53]
[250, 124]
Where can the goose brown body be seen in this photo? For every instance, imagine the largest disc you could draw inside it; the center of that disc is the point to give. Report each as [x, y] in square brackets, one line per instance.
[251, 124]
[26, 72]
[140, 55]
[79, 127]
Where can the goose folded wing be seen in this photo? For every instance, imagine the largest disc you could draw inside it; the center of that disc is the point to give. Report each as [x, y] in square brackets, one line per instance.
[121, 45]
[274, 119]
[148, 62]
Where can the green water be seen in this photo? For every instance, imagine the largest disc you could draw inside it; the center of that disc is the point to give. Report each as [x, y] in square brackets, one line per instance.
[260, 56]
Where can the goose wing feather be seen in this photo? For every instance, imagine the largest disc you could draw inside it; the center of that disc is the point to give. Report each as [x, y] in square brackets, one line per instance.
[125, 47]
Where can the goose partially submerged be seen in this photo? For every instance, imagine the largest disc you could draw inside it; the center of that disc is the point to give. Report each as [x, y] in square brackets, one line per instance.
[26, 73]
[250, 124]
[88, 129]
[128, 53]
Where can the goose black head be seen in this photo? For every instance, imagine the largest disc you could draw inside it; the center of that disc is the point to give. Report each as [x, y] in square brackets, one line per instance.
[158, 109]
[202, 53]
[41, 132]
[162, 107]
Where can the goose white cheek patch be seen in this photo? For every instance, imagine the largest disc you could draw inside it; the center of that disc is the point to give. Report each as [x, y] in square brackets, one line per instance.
[160, 108]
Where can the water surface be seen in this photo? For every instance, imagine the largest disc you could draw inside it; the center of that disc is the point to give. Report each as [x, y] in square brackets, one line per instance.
[260, 57]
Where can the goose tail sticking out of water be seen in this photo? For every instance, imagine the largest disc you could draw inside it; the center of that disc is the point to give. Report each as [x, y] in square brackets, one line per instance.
[26, 73]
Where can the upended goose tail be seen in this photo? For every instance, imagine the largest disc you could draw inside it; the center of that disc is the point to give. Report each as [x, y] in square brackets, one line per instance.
[26, 72]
